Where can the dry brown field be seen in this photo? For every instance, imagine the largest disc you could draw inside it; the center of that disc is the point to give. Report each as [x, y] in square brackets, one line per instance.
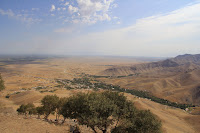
[22, 79]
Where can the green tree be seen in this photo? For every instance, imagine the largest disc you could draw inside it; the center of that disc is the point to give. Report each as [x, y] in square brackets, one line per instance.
[40, 111]
[2, 86]
[121, 102]
[70, 109]
[50, 103]
[93, 110]
[60, 104]
[142, 121]
[27, 109]
[22, 109]
[30, 107]
[101, 110]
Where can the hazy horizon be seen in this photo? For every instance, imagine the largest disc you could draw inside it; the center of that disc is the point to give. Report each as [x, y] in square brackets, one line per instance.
[90, 55]
[148, 28]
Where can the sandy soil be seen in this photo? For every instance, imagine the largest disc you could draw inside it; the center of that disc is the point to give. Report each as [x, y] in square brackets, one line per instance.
[19, 124]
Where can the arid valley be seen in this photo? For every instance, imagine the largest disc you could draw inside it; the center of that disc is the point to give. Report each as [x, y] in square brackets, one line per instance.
[28, 80]
[99, 66]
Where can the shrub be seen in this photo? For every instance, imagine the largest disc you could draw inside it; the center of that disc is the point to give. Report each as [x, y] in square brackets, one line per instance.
[7, 96]
[50, 103]
[27, 109]
[2, 86]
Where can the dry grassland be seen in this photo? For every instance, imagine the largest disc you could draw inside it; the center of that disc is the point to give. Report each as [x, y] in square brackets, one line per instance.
[28, 76]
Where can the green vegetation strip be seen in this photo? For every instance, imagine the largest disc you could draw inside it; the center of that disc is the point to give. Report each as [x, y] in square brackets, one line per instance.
[99, 85]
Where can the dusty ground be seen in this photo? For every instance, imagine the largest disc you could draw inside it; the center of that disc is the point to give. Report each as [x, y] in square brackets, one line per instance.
[43, 73]
[22, 78]
[19, 124]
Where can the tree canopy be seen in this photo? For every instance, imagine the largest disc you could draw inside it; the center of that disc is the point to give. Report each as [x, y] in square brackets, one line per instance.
[27, 109]
[101, 110]
[50, 103]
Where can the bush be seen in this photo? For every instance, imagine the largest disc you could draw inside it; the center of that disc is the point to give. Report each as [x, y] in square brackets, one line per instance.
[93, 110]
[27, 109]
[7, 96]
[2, 86]
[50, 103]
[22, 109]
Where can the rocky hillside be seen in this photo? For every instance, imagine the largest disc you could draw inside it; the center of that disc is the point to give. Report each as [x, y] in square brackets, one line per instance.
[176, 79]
[187, 58]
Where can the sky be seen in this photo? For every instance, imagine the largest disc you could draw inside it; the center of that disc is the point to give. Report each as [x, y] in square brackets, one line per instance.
[151, 28]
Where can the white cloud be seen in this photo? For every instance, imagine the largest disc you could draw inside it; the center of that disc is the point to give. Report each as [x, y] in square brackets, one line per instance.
[53, 8]
[8, 12]
[76, 21]
[179, 23]
[91, 11]
[161, 35]
[35, 9]
[118, 22]
[67, 3]
[65, 30]
[72, 9]
[114, 6]
[23, 17]
[58, 9]
[103, 17]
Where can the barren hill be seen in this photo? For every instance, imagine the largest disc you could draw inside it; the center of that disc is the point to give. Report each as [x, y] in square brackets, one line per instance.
[180, 63]
[177, 79]
[183, 59]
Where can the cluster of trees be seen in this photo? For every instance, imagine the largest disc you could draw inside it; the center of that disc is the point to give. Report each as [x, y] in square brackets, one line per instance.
[51, 104]
[2, 86]
[147, 95]
[99, 111]
[96, 76]
[83, 81]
